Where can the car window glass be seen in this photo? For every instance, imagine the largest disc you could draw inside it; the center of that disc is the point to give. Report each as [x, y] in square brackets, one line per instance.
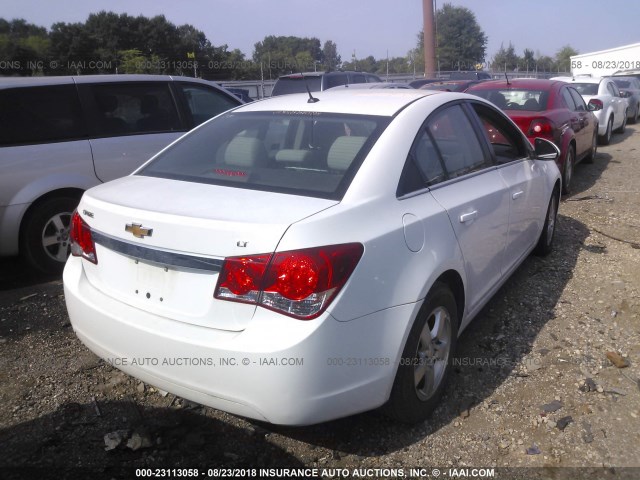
[205, 103]
[579, 101]
[515, 99]
[134, 108]
[289, 152]
[40, 114]
[610, 89]
[335, 79]
[568, 99]
[427, 160]
[505, 139]
[586, 88]
[457, 143]
[615, 89]
[358, 78]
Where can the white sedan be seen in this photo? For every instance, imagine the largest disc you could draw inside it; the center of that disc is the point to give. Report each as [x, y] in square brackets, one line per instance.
[300, 259]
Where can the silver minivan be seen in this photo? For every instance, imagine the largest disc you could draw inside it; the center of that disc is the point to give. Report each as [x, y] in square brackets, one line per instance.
[62, 135]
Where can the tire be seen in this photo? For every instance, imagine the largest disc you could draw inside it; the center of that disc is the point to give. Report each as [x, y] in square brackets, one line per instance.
[545, 242]
[45, 234]
[606, 138]
[567, 170]
[427, 356]
[594, 149]
[621, 128]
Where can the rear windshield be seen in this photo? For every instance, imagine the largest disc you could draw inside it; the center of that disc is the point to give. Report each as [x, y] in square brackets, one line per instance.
[586, 88]
[513, 99]
[302, 153]
[286, 85]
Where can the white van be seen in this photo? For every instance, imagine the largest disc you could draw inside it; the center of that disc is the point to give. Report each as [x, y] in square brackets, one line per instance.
[62, 135]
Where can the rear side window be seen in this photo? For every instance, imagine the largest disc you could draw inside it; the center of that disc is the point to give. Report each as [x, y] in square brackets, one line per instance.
[568, 99]
[40, 114]
[133, 108]
[456, 141]
[335, 79]
[577, 98]
[299, 153]
[205, 103]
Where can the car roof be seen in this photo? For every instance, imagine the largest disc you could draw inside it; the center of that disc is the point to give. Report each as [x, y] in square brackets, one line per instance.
[7, 82]
[519, 83]
[579, 79]
[367, 101]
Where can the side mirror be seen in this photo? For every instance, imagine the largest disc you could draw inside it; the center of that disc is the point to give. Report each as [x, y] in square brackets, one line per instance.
[625, 94]
[595, 105]
[546, 150]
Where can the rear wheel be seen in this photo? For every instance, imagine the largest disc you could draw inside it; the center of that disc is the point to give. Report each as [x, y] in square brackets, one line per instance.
[545, 242]
[594, 149]
[567, 170]
[425, 362]
[45, 234]
[606, 138]
[624, 123]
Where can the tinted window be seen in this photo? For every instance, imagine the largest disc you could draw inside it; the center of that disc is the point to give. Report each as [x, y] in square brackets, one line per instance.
[579, 101]
[298, 84]
[614, 89]
[334, 80]
[305, 154]
[568, 99]
[586, 88]
[132, 108]
[40, 114]
[204, 103]
[456, 141]
[505, 139]
[514, 99]
[358, 78]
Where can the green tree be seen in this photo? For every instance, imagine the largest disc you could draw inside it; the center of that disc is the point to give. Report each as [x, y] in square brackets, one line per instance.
[461, 43]
[330, 58]
[280, 55]
[528, 60]
[506, 60]
[563, 58]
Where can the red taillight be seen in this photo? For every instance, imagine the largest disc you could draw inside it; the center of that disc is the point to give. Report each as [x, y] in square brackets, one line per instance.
[540, 127]
[597, 104]
[298, 283]
[82, 244]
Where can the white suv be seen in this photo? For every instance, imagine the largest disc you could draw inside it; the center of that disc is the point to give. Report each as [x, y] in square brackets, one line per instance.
[603, 98]
[62, 135]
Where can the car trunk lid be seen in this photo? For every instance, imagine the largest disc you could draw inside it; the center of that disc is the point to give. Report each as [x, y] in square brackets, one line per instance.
[161, 243]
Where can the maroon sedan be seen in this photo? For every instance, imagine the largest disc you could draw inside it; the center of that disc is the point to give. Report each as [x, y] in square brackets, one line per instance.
[549, 109]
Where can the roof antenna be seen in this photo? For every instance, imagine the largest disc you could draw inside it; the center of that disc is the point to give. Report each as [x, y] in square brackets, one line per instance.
[507, 77]
[312, 99]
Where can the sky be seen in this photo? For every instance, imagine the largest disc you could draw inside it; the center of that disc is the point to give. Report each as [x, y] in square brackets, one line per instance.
[367, 27]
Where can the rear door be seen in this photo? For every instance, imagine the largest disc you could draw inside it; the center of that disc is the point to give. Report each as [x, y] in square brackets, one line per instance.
[129, 123]
[587, 122]
[525, 182]
[473, 194]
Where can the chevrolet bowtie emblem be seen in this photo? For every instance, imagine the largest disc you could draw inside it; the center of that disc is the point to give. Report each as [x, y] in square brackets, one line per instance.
[138, 230]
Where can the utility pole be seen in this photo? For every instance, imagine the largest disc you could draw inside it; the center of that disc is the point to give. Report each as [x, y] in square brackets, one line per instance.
[429, 38]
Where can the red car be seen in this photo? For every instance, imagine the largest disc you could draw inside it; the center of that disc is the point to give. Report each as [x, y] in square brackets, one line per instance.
[550, 109]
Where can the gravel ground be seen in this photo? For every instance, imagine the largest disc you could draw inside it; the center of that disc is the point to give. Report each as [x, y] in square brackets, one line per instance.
[537, 381]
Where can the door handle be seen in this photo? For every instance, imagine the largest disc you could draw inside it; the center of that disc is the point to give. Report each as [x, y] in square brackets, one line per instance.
[517, 194]
[467, 217]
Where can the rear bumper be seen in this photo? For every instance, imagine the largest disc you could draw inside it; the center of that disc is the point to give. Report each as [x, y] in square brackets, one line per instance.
[278, 369]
